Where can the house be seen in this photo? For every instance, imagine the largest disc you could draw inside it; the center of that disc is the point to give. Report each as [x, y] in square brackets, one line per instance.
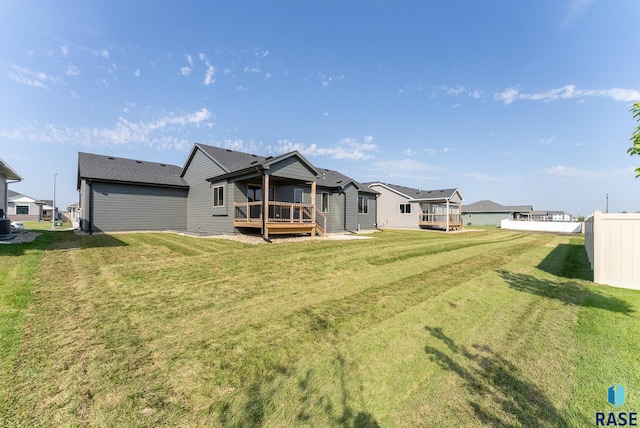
[550, 216]
[48, 209]
[7, 175]
[221, 191]
[489, 213]
[74, 212]
[405, 207]
[25, 208]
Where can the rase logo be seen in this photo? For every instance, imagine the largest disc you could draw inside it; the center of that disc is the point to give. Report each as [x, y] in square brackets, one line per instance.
[615, 397]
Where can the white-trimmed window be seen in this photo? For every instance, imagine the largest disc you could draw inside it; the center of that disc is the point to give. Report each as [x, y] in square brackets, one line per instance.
[324, 202]
[22, 209]
[218, 196]
[297, 195]
[405, 208]
[363, 205]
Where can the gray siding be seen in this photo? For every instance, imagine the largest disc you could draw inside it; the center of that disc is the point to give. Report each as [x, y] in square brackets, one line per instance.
[351, 208]
[3, 194]
[84, 206]
[124, 207]
[484, 219]
[335, 215]
[292, 168]
[200, 213]
[368, 221]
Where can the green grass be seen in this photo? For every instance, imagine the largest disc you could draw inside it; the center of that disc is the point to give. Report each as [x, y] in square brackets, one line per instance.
[45, 225]
[489, 327]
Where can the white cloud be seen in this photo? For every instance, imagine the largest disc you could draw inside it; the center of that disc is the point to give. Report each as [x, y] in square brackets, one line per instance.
[569, 171]
[104, 54]
[328, 80]
[209, 75]
[411, 169]
[368, 138]
[202, 56]
[511, 95]
[577, 8]
[185, 71]
[64, 50]
[137, 73]
[409, 153]
[547, 141]
[348, 149]
[37, 79]
[479, 176]
[155, 134]
[72, 70]
[189, 60]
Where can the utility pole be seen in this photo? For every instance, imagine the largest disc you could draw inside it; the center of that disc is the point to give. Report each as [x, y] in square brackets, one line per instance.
[53, 209]
[607, 203]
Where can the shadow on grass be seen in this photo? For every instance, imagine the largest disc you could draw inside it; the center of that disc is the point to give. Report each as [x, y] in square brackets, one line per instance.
[315, 407]
[568, 261]
[498, 394]
[569, 293]
[67, 240]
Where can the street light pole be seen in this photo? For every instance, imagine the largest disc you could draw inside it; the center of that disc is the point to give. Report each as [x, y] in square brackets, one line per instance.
[53, 209]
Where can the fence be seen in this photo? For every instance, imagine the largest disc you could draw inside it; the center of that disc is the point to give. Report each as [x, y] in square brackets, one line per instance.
[612, 242]
[542, 226]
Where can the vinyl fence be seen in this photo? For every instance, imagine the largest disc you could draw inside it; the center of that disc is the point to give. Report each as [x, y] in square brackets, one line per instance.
[612, 242]
[543, 226]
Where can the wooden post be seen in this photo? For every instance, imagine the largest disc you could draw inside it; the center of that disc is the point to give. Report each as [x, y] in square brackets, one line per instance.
[313, 208]
[265, 206]
[447, 215]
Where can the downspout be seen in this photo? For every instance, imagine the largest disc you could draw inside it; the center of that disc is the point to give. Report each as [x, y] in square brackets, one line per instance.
[90, 207]
[5, 208]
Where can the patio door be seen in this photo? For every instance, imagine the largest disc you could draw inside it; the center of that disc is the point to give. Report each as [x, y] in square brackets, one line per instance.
[254, 194]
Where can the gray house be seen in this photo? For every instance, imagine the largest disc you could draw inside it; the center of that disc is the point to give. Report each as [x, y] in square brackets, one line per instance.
[25, 208]
[489, 213]
[406, 207]
[221, 191]
[7, 175]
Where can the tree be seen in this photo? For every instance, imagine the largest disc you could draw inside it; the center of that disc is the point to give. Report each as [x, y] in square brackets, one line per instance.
[635, 137]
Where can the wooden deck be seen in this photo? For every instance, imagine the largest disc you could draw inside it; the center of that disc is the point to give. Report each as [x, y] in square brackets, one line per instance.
[440, 221]
[283, 218]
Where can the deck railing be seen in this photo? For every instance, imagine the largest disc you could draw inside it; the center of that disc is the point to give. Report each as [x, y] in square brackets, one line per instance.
[279, 212]
[440, 218]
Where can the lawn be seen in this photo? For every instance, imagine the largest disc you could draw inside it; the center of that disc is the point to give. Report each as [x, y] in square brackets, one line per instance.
[489, 327]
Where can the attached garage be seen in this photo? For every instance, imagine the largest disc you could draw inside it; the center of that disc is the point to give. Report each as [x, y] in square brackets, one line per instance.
[125, 195]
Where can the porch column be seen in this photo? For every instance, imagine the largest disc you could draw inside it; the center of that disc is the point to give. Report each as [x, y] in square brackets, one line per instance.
[448, 215]
[313, 209]
[265, 206]
[460, 214]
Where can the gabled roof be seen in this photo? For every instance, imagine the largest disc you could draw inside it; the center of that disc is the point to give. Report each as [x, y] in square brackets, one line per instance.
[121, 170]
[417, 194]
[485, 206]
[520, 208]
[15, 195]
[236, 163]
[335, 180]
[8, 172]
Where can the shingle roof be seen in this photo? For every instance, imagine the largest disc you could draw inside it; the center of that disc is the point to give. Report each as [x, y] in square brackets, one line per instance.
[417, 193]
[12, 194]
[232, 160]
[109, 168]
[485, 206]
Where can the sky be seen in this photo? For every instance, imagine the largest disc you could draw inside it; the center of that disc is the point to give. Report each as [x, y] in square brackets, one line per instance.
[518, 102]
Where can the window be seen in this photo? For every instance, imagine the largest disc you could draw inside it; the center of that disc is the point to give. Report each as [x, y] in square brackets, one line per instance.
[324, 202]
[22, 209]
[405, 208]
[363, 205]
[218, 196]
[297, 196]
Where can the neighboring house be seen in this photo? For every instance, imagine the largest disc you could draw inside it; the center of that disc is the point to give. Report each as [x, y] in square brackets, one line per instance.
[48, 209]
[405, 207]
[221, 191]
[7, 175]
[489, 213]
[550, 216]
[74, 212]
[24, 208]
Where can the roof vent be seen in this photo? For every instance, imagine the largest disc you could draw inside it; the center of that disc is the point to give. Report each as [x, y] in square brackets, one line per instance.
[340, 181]
[110, 158]
[162, 164]
[228, 150]
[254, 162]
[267, 158]
[138, 161]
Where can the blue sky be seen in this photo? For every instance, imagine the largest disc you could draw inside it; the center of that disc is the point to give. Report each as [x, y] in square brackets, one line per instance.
[517, 102]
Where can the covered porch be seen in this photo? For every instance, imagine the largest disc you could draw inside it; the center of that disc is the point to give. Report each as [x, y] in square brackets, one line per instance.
[441, 212]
